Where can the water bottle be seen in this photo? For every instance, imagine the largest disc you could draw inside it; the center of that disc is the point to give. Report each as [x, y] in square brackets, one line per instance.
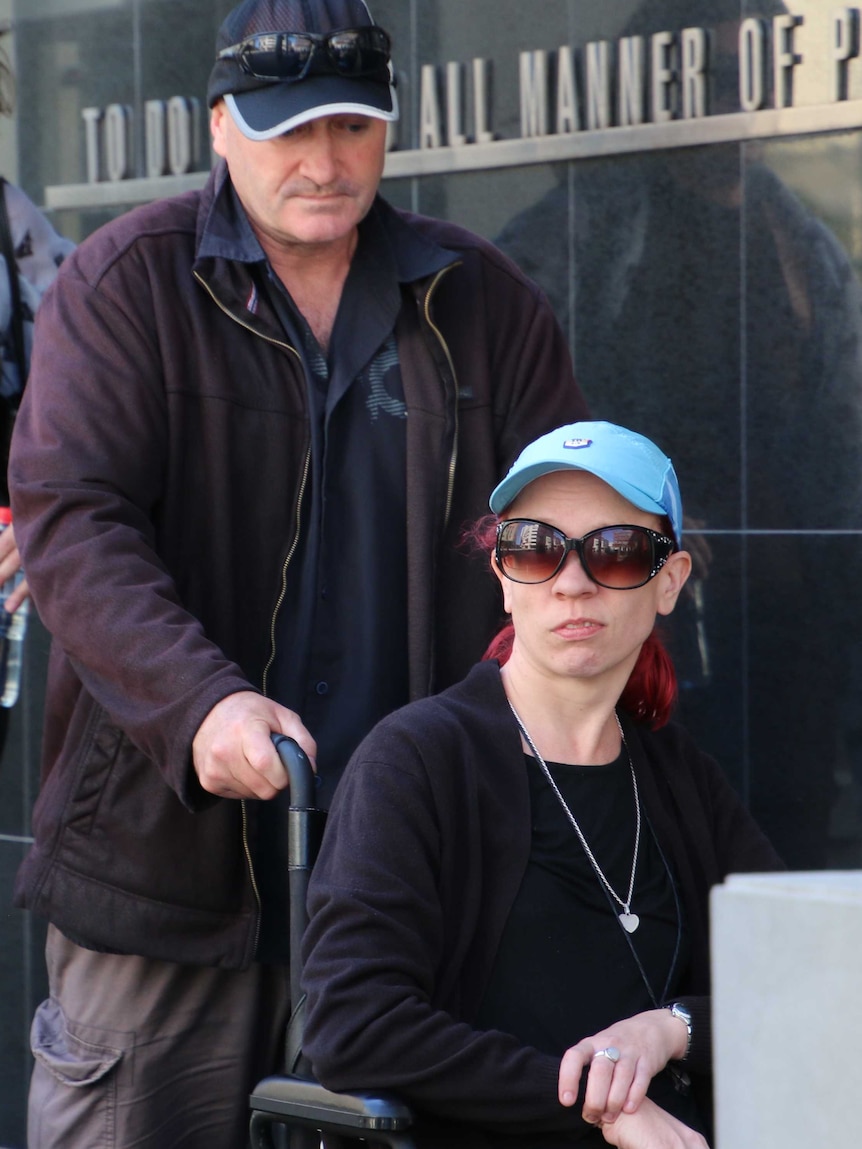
[13, 628]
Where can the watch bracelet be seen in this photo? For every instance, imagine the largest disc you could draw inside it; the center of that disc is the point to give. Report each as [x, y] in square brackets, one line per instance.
[680, 1011]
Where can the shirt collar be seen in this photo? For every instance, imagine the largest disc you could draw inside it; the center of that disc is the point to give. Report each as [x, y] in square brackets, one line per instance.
[228, 234]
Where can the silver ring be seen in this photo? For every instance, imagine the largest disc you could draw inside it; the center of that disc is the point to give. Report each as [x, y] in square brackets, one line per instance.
[611, 1053]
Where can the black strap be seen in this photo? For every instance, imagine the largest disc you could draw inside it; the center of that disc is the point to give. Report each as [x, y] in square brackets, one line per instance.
[294, 1059]
[7, 250]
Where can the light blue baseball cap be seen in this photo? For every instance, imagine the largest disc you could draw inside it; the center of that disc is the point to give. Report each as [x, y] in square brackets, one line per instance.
[630, 463]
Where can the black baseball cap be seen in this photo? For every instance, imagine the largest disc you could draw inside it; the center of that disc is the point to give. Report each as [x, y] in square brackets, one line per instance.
[262, 107]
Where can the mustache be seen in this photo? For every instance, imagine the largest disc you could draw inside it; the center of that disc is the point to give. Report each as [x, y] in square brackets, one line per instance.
[305, 187]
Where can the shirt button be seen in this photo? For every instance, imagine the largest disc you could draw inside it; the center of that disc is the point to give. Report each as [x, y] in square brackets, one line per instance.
[322, 688]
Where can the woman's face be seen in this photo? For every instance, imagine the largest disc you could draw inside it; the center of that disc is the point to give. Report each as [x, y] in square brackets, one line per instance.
[571, 627]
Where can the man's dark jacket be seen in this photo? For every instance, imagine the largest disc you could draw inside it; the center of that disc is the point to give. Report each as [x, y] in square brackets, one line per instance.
[158, 467]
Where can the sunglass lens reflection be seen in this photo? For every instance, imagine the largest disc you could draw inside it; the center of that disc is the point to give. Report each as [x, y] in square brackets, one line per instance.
[288, 55]
[620, 558]
[530, 552]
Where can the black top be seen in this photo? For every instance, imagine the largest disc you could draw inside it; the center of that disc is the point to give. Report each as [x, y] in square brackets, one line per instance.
[335, 664]
[547, 987]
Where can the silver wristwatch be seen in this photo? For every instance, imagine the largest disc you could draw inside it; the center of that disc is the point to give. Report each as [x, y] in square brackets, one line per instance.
[684, 1014]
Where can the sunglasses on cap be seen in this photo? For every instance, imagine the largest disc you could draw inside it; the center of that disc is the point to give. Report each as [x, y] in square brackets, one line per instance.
[621, 557]
[288, 56]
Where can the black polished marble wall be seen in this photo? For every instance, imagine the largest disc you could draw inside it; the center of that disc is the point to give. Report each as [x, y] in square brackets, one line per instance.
[712, 309]
[22, 937]
[712, 299]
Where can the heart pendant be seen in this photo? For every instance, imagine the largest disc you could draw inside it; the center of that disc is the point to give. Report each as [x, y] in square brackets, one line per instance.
[630, 922]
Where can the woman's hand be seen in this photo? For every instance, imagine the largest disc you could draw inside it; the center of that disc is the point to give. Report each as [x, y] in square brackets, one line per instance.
[645, 1044]
[10, 563]
[651, 1128]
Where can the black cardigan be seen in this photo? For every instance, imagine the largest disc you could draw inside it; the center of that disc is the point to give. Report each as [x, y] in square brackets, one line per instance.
[427, 842]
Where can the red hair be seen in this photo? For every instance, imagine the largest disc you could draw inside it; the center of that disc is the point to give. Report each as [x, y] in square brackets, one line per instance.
[651, 691]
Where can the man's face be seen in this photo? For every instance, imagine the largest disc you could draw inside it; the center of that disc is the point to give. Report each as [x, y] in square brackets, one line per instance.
[310, 186]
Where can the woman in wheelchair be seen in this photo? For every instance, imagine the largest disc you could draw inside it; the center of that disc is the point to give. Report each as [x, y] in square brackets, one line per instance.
[509, 913]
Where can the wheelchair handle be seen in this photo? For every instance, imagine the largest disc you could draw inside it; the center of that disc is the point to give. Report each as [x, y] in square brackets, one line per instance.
[299, 771]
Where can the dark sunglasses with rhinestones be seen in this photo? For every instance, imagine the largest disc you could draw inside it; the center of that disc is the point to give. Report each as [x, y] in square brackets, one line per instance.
[288, 56]
[620, 557]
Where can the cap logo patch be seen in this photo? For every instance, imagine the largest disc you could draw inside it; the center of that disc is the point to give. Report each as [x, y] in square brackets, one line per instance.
[576, 444]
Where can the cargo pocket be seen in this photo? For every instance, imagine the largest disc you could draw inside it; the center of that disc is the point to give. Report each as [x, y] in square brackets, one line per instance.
[65, 1056]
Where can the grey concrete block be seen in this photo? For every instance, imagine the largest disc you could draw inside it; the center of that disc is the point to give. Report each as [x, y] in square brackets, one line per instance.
[787, 1010]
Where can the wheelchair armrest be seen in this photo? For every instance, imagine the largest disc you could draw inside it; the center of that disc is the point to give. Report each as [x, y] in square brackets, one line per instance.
[296, 1100]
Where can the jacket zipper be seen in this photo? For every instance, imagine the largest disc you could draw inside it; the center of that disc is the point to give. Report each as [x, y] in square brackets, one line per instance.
[453, 458]
[292, 550]
[243, 805]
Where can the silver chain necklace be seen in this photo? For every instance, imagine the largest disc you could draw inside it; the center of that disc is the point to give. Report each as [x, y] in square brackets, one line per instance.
[628, 920]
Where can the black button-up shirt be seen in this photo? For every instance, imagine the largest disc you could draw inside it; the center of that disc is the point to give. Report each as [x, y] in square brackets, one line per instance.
[341, 635]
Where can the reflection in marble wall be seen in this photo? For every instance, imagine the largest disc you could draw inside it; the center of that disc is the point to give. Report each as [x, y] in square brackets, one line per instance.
[90, 56]
[712, 300]
[714, 311]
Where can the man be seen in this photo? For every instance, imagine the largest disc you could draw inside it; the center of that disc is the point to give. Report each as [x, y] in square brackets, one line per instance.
[257, 420]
